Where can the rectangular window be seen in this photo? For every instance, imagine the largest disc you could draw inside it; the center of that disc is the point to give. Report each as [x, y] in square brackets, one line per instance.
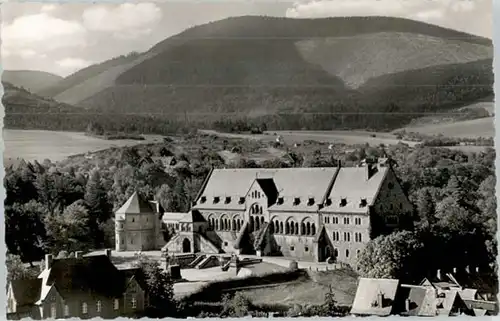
[53, 311]
[306, 249]
[134, 303]
[292, 248]
[346, 220]
[66, 310]
[85, 309]
[116, 305]
[98, 306]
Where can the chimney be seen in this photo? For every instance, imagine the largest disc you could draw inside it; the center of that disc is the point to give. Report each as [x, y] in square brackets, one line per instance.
[380, 300]
[49, 259]
[78, 254]
[407, 305]
[438, 275]
[108, 253]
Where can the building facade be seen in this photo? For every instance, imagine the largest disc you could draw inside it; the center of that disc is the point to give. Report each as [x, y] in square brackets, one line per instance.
[311, 214]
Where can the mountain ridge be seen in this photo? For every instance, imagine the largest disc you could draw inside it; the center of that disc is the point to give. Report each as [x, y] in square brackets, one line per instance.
[32, 80]
[261, 65]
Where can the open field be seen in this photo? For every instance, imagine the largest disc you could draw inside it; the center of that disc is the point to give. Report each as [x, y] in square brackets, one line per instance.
[331, 137]
[56, 145]
[482, 127]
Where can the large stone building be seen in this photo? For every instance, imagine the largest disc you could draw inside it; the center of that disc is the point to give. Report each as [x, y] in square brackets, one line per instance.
[306, 213]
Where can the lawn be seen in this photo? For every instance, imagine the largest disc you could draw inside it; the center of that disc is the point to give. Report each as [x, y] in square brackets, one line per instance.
[308, 290]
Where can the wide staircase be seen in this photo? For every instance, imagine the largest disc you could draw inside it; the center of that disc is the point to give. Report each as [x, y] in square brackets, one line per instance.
[196, 261]
[225, 266]
[207, 262]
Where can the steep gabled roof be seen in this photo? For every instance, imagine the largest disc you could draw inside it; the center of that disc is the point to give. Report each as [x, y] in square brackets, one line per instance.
[136, 205]
[290, 183]
[353, 184]
[422, 300]
[26, 291]
[137, 274]
[365, 301]
[90, 274]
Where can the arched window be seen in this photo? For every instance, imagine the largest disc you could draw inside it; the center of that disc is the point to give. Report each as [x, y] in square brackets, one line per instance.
[240, 225]
[296, 228]
[302, 228]
[313, 229]
[281, 227]
[234, 225]
[287, 228]
[261, 211]
[292, 228]
[262, 220]
[257, 223]
[346, 253]
[271, 227]
[251, 223]
[276, 226]
[308, 228]
[216, 224]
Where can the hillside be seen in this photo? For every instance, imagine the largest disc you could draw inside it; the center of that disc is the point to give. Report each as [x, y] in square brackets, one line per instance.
[32, 80]
[26, 110]
[260, 66]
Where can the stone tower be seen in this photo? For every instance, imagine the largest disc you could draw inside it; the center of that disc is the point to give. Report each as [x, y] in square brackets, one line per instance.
[137, 225]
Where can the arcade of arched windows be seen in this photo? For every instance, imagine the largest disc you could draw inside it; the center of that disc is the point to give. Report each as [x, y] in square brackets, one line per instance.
[256, 222]
[256, 209]
[291, 227]
[224, 223]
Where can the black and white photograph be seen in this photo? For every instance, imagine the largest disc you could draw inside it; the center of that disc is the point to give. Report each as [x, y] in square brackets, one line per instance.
[235, 159]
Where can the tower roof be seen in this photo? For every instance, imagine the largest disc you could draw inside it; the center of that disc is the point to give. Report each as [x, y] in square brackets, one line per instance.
[135, 205]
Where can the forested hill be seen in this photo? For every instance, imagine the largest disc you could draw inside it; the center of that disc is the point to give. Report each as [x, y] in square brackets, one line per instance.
[312, 73]
[32, 80]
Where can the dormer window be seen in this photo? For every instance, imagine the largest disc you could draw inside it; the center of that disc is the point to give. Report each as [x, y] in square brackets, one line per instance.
[296, 201]
[280, 200]
[228, 200]
[311, 201]
[216, 199]
[242, 200]
[203, 199]
[363, 202]
[343, 202]
[328, 201]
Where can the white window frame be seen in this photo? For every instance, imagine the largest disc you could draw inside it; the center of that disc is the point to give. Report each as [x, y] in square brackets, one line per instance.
[116, 304]
[85, 308]
[53, 310]
[98, 306]
[66, 310]
[133, 301]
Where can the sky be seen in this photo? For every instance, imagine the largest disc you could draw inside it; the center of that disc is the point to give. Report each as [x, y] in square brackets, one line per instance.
[63, 38]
